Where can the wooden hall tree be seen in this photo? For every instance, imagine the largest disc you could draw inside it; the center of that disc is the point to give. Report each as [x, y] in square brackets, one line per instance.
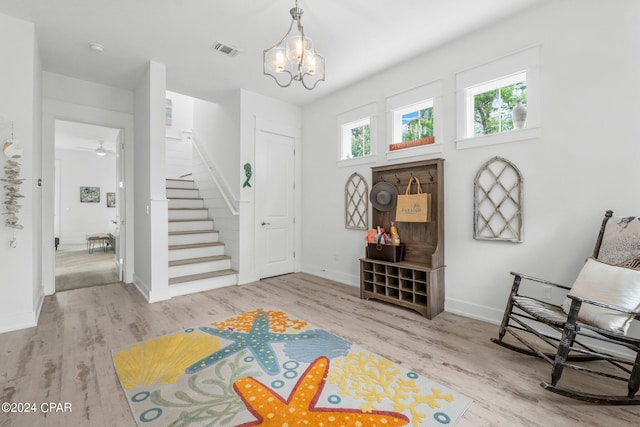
[417, 282]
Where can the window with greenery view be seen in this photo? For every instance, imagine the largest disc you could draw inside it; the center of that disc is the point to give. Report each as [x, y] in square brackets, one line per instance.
[356, 139]
[493, 101]
[413, 121]
[417, 124]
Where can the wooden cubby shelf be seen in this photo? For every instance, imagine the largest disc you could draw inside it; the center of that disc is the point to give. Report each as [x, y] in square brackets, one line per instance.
[418, 281]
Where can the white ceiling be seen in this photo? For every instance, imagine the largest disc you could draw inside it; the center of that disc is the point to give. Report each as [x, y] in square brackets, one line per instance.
[357, 38]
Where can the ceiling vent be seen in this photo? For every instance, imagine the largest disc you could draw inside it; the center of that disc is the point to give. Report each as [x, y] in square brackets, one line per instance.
[224, 49]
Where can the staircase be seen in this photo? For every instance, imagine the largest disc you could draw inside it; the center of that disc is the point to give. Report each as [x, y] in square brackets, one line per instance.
[196, 258]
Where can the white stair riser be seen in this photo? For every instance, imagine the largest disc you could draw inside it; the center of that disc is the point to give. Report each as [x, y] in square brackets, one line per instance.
[186, 203]
[176, 254]
[200, 267]
[190, 225]
[188, 213]
[179, 183]
[175, 192]
[190, 239]
[203, 285]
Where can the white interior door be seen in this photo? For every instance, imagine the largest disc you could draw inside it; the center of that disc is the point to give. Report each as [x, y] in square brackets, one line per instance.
[275, 205]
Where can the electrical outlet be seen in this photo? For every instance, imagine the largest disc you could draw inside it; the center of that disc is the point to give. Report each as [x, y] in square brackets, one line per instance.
[546, 292]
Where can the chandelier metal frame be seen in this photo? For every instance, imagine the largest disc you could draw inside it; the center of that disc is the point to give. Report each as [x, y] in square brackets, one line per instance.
[293, 58]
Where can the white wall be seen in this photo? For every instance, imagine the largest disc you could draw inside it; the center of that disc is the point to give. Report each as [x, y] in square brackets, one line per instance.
[84, 169]
[150, 207]
[181, 114]
[71, 99]
[178, 146]
[585, 162]
[89, 94]
[21, 291]
[216, 126]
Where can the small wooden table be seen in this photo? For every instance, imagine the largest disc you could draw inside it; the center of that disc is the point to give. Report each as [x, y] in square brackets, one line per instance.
[101, 240]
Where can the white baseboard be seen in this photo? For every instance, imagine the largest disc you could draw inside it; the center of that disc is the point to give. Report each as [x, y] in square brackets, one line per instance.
[142, 287]
[38, 307]
[246, 278]
[336, 276]
[474, 311]
[17, 321]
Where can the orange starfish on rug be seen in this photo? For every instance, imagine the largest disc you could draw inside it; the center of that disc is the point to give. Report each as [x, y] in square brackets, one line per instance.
[300, 409]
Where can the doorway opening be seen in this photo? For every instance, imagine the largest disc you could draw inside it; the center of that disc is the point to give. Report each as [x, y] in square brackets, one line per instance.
[87, 205]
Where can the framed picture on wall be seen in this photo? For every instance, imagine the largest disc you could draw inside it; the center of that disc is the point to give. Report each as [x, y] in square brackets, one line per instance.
[89, 194]
[111, 200]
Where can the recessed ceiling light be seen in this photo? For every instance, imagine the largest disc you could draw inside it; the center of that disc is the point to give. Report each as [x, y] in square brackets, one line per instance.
[96, 47]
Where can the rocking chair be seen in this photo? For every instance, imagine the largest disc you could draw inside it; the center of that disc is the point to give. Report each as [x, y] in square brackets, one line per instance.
[599, 308]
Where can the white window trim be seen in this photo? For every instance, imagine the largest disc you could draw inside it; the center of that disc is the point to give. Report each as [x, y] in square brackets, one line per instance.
[397, 117]
[407, 99]
[482, 88]
[526, 60]
[346, 136]
[359, 114]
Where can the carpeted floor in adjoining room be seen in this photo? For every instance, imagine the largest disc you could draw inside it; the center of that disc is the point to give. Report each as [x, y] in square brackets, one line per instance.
[77, 268]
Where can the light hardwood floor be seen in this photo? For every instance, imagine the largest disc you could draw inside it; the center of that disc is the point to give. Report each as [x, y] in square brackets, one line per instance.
[67, 357]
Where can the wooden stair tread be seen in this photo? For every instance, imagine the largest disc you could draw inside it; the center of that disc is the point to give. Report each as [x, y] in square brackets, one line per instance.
[179, 233]
[188, 209]
[195, 245]
[192, 277]
[198, 260]
[185, 198]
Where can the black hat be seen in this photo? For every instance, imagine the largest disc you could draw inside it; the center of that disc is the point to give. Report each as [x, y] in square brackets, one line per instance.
[383, 196]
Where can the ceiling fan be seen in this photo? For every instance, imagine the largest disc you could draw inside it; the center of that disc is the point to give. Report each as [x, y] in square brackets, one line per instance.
[100, 151]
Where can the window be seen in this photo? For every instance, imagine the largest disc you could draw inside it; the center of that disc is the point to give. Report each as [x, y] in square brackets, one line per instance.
[491, 103]
[414, 119]
[487, 94]
[356, 135]
[356, 139]
[413, 122]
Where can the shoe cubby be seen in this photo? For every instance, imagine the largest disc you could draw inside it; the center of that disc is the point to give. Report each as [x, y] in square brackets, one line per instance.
[417, 282]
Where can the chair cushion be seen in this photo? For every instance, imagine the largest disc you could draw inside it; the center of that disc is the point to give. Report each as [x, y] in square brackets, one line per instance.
[608, 284]
[543, 311]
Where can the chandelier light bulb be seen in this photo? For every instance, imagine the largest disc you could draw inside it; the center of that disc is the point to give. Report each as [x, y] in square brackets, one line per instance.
[299, 48]
[279, 61]
[310, 63]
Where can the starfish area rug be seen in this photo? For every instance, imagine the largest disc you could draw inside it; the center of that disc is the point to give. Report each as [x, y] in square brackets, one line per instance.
[265, 368]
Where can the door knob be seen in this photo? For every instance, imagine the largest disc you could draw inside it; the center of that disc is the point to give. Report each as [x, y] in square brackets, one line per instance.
[265, 223]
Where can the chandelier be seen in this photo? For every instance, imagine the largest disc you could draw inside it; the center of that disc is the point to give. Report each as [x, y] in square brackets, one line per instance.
[294, 58]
